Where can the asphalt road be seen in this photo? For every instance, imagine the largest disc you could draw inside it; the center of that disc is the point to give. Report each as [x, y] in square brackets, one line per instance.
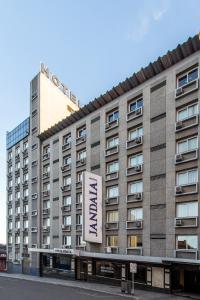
[15, 289]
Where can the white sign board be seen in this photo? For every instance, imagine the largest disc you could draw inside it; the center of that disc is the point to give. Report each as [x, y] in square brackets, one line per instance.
[92, 208]
[133, 268]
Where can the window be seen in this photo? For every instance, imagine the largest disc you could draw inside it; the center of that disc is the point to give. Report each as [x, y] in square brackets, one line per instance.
[17, 134]
[10, 239]
[113, 116]
[67, 200]
[187, 112]
[112, 142]
[67, 240]
[17, 239]
[25, 224]
[112, 241]
[187, 145]
[79, 241]
[135, 133]
[17, 195]
[46, 204]
[112, 216]
[81, 131]
[112, 191]
[79, 198]
[46, 187]
[79, 176]
[135, 214]
[17, 151]
[187, 209]
[10, 183]
[81, 154]
[25, 145]
[46, 222]
[10, 169]
[112, 167]
[25, 177]
[67, 220]
[46, 149]
[25, 193]
[17, 209]
[25, 208]
[135, 187]
[17, 180]
[10, 225]
[67, 139]
[187, 77]
[10, 155]
[67, 160]
[136, 104]
[17, 224]
[79, 219]
[46, 240]
[46, 169]
[187, 177]
[25, 162]
[66, 180]
[10, 197]
[135, 160]
[10, 211]
[134, 241]
[25, 239]
[17, 166]
[186, 242]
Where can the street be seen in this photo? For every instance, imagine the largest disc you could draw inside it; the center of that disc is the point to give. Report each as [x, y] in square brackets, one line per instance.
[18, 289]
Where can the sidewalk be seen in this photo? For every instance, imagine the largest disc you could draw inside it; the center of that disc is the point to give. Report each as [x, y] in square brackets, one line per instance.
[103, 288]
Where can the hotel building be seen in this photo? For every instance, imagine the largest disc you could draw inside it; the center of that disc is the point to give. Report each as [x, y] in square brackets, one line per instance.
[141, 137]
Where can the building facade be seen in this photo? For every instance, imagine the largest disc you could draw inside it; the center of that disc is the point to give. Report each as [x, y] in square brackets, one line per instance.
[141, 137]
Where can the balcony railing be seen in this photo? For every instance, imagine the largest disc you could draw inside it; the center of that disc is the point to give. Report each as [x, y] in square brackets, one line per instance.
[137, 224]
[80, 139]
[186, 222]
[187, 88]
[134, 197]
[134, 170]
[66, 168]
[112, 150]
[66, 188]
[187, 123]
[186, 156]
[66, 208]
[186, 189]
[111, 125]
[134, 142]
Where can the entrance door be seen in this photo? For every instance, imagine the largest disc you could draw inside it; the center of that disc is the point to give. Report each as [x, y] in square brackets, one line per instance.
[192, 281]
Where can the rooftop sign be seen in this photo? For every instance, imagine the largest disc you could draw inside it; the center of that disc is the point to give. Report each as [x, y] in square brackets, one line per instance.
[54, 79]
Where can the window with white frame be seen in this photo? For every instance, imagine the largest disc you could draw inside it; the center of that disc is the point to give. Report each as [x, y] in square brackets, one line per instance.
[17, 209]
[17, 166]
[25, 208]
[25, 224]
[79, 198]
[17, 224]
[135, 133]
[186, 242]
[46, 204]
[17, 254]
[135, 187]
[81, 132]
[79, 219]
[135, 214]
[67, 139]
[25, 177]
[46, 222]
[134, 241]
[112, 116]
[67, 220]
[187, 144]
[135, 104]
[67, 160]
[81, 154]
[135, 160]
[112, 191]
[187, 112]
[112, 241]
[46, 240]
[79, 176]
[112, 142]
[67, 180]
[46, 187]
[67, 240]
[187, 77]
[25, 145]
[46, 169]
[187, 209]
[112, 216]
[25, 239]
[25, 193]
[187, 177]
[67, 200]
[112, 167]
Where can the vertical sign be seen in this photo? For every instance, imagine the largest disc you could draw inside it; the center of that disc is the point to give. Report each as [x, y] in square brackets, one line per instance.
[92, 208]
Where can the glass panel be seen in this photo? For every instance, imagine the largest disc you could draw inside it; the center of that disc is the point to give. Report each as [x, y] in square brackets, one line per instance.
[113, 192]
[193, 75]
[192, 143]
[192, 176]
[182, 80]
[187, 210]
[187, 242]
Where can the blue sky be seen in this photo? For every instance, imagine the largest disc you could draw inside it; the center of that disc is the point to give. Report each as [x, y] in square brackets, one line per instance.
[90, 45]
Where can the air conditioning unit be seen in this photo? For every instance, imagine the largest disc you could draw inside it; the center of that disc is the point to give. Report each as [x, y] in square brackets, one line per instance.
[138, 224]
[179, 189]
[108, 250]
[179, 91]
[179, 125]
[138, 196]
[178, 222]
[138, 168]
[138, 140]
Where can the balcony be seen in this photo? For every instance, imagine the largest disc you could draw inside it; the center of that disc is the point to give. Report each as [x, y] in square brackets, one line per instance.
[112, 200]
[112, 150]
[112, 250]
[186, 156]
[81, 139]
[78, 227]
[66, 146]
[134, 170]
[187, 88]
[46, 211]
[134, 143]
[112, 176]
[66, 228]
[66, 168]
[134, 197]
[137, 224]
[66, 208]
[111, 125]
[46, 156]
[81, 162]
[112, 226]
[134, 114]
[186, 222]
[134, 251]
[66, 188]
[45, 175]
[186, 189]
[187, 123]
[186, 253]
